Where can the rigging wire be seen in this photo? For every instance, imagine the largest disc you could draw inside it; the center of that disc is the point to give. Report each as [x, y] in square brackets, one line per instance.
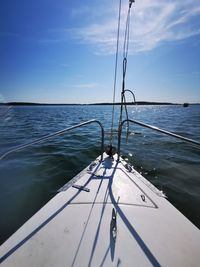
[125, 55]
[115, 75]
[110, 150]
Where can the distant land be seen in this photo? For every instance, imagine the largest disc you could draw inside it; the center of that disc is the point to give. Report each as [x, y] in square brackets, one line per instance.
[99, 104]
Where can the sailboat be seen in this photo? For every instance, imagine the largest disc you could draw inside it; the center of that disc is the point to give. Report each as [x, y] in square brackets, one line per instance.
[107, 215]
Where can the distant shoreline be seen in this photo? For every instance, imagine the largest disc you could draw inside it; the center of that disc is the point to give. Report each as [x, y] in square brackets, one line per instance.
[92, 104]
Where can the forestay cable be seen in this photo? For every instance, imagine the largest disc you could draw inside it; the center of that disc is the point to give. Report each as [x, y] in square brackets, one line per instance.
[125, 55]
[115, 75]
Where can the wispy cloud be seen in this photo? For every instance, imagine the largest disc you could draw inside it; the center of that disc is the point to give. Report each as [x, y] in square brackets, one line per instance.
[2, 100]
[9, 34]
[82, 86]
[153, 22]
[85, 85]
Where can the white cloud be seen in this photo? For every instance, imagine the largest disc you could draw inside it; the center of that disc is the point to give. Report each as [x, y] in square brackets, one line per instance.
[81, 86]
[2, 100]
[152, 23]
[85, 85]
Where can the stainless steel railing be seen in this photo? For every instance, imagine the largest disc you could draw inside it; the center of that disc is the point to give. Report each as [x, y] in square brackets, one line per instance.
[39, 140]
[191, 141]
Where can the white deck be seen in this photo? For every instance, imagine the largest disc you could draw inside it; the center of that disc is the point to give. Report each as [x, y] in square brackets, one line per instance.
[75, 228]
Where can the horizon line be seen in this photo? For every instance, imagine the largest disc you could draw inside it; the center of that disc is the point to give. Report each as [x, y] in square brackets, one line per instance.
[100, 103]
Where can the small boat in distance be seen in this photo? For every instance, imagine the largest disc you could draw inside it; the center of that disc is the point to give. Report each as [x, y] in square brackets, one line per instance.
[185, 105]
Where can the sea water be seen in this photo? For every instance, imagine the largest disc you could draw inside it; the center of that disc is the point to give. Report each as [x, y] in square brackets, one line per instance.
[32, 176]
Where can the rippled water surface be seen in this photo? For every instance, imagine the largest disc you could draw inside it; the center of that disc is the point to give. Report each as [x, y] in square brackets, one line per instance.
[30, 177]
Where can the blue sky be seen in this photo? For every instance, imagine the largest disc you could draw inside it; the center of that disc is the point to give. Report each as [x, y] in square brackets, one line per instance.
[64, 51]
